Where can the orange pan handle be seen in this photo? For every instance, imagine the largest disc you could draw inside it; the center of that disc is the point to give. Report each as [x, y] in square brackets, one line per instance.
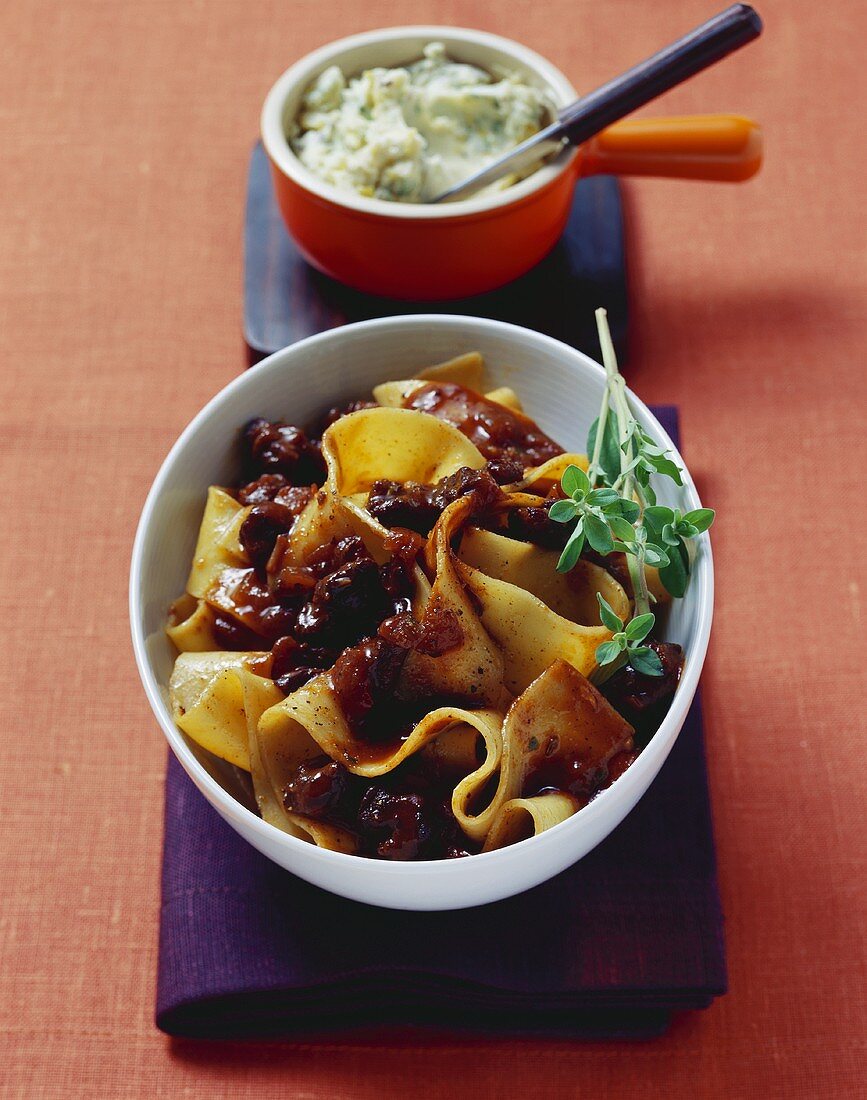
[698, 147]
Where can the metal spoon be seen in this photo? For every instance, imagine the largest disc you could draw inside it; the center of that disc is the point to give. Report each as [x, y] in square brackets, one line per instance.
[711, 42]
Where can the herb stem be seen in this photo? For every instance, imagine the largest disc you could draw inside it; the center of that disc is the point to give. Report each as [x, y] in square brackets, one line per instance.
[626, 444]
[609, 361]
[600, 433]
[609, 356]
[616, 388]
[639, 583]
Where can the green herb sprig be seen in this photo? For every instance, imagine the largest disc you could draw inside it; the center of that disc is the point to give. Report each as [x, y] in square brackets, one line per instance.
[602, 516]
[613, 507]
[626, 640]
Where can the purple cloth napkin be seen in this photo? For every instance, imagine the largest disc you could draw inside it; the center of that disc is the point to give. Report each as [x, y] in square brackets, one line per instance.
[609, 948]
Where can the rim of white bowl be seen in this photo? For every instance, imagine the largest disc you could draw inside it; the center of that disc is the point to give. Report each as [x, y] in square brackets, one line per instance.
[302, 72]
[701, 589]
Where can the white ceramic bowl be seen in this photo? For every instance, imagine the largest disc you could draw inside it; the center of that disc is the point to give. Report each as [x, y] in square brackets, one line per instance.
[561, 389]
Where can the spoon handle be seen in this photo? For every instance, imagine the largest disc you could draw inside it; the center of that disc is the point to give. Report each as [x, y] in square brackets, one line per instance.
[712, 41]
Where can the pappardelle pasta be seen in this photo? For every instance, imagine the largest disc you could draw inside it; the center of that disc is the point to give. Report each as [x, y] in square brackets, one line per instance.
[374, 628]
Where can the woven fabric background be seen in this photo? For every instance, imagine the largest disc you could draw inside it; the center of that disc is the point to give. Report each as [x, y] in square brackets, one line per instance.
[126, 129]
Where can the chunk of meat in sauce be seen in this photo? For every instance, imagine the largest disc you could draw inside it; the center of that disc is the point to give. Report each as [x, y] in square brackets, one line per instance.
[364, 677]
[317, 788]
[294, 663]
[403, 545]
[644, 700]
[417, 507]
[531, 523]
[568, 773]
[262, 490]
[400, 817]
[277, 448]
[409, 505]
[337, 412]
[403, 815]
[496, 431]
[231, 634]
[571, 776]
[618, 764]
[410, 818]
[349, 592]
[241, 595]
[353, 596]
[265, 522]
[439, 631]
[333, 601]
[270, 487]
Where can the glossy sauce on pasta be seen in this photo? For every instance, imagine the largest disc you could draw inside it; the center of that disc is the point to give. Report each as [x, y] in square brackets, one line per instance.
[497, 431]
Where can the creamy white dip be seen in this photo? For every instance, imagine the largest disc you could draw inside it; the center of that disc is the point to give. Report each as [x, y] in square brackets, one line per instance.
[406, 134]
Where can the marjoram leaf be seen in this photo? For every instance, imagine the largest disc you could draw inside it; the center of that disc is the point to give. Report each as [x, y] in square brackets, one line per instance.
[701, 518]
[609, 457]
[645, 660]
[676, 574]
[607, 615]
[598, 534]
[574, 480]
[607, 652]
[638, 628]
[563, 511]
[572, 549]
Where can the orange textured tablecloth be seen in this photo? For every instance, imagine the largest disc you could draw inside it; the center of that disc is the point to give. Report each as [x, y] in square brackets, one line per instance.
[126, 129]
